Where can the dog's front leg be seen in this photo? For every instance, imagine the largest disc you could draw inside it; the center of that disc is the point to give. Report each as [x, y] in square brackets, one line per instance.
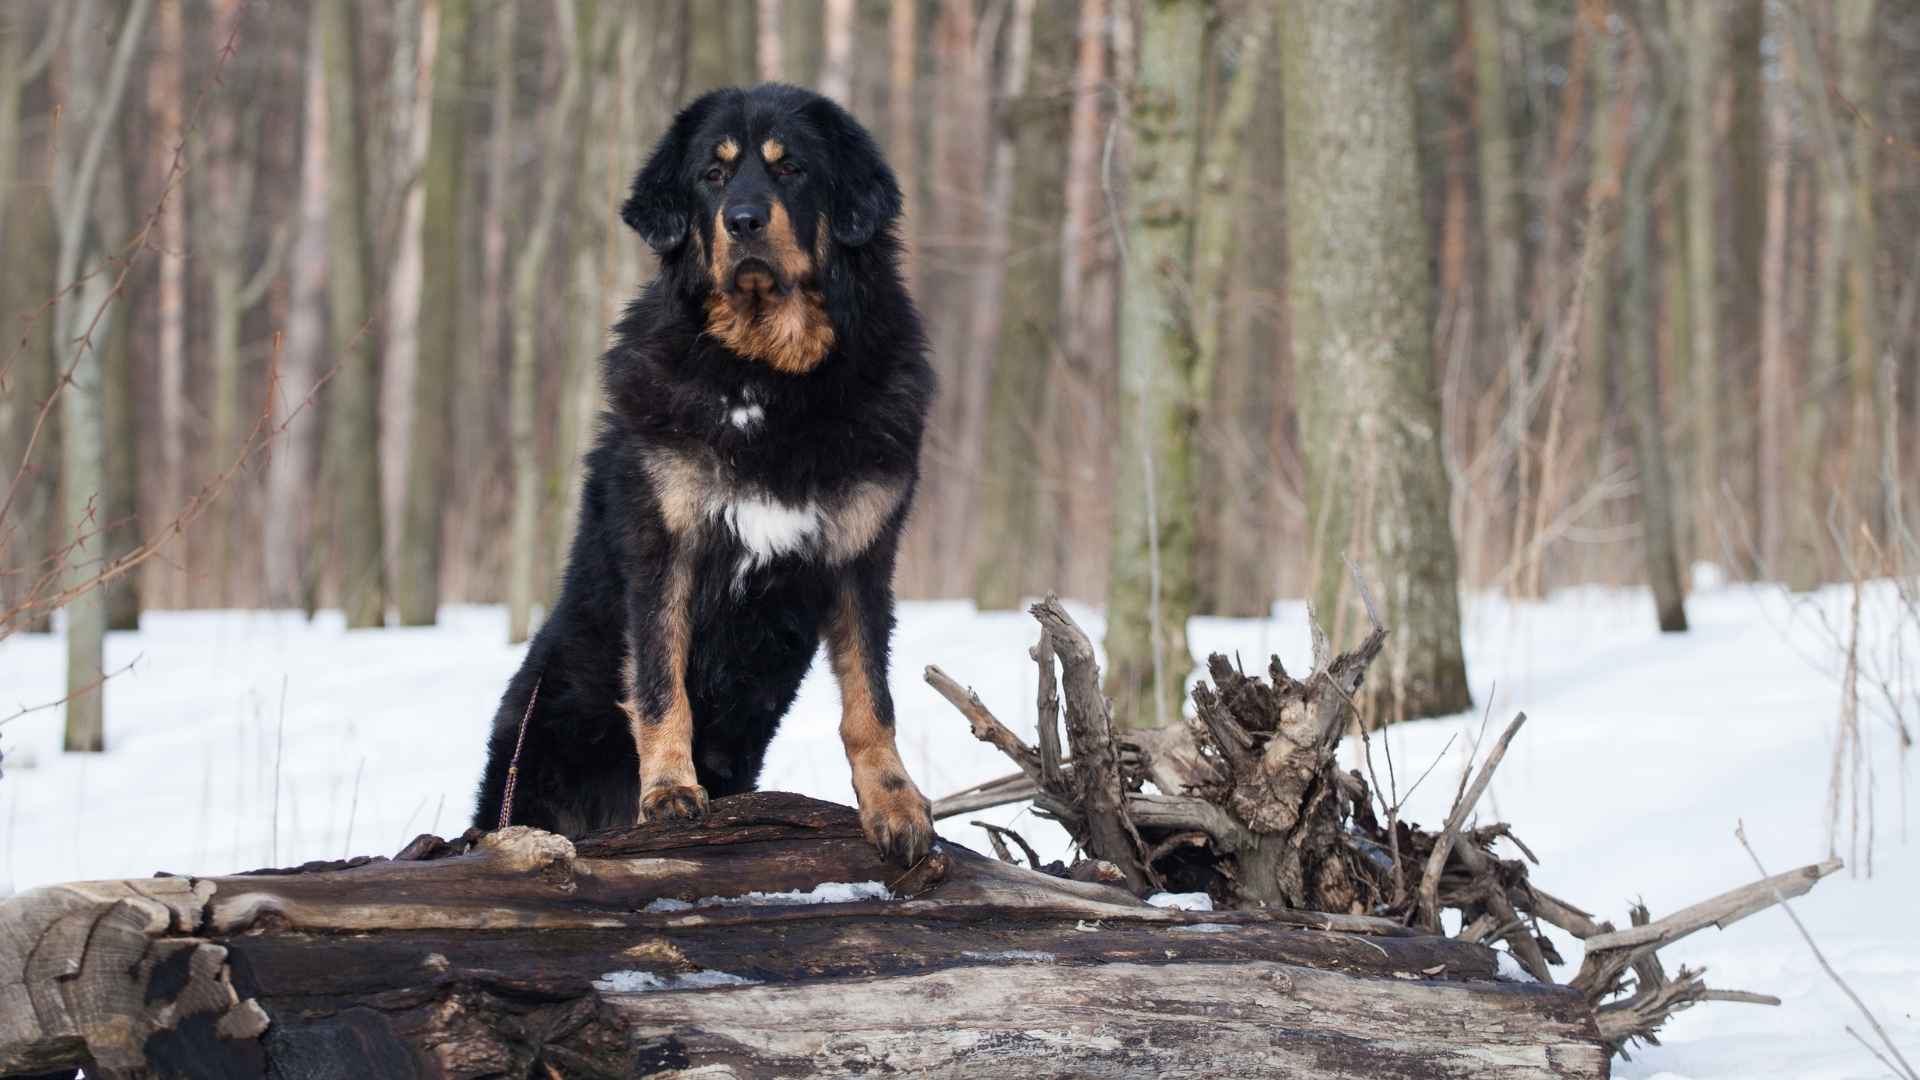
[659, 624]
[893, 813]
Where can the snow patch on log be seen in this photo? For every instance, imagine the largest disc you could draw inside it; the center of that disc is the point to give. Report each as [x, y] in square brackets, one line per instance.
[1182, 901]
[1510, 970]
[828, 892]
[639, 982]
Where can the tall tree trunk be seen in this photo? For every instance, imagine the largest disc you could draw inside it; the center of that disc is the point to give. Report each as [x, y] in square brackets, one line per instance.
[429, 462]
[1028, 332]
[1150, 593]
[227, 223]
[769, 58]
[165, 110]
[1815, 478]
[78, 340]
[1643, 397]
[968, 452]
[1775, 430]
[120, 508]
[1749, 172]
[1500, 237]
[562, 143]
[475, 424]
[28, 230]
[353, 429]
[1078, 406]
[1220, 294]
[1854, 37]
[1611, 123]
[1377, 490]
[1701, 26]
[585, 328]
[288, 525]
[903, 136]
[836, 54]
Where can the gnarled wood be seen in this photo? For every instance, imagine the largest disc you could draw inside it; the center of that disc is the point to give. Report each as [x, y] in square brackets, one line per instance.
[520, 953]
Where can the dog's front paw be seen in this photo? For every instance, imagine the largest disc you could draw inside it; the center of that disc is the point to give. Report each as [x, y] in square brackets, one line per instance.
[674, 802]
[899, 822]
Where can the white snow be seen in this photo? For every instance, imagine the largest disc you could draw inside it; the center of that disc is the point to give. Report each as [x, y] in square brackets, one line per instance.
[1640, 754]
[828, 892]
[1509, 968]
[1182, 901]
[634, 982]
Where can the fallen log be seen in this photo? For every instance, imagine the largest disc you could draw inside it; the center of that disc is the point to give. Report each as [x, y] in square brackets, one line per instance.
[768, 941]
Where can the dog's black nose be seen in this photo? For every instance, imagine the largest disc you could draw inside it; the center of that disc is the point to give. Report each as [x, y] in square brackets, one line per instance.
[745, 221]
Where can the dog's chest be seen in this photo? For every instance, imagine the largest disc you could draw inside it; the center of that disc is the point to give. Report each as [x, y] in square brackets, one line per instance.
[704, 499]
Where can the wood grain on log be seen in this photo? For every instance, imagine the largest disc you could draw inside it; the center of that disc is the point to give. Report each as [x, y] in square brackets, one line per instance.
[530, 955]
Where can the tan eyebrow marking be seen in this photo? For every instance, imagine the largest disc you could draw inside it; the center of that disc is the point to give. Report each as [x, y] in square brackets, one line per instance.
[773, 150]
[727, 150]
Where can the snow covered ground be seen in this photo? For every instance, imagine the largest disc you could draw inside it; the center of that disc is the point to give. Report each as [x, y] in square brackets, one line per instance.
[1639, 756]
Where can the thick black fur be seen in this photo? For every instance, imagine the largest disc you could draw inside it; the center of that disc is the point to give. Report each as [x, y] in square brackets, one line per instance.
[857, 415]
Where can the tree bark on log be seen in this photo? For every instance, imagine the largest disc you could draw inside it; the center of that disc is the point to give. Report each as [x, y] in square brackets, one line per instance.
[522, 954]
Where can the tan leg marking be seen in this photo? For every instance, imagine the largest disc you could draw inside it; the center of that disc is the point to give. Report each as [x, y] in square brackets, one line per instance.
[669, 787]
[896, 818]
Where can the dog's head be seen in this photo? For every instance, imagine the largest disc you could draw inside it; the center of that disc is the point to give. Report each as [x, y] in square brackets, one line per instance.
[748, 199]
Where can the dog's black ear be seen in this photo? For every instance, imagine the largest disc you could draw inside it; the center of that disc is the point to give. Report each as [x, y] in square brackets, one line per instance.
[660, 207]
[864, 195]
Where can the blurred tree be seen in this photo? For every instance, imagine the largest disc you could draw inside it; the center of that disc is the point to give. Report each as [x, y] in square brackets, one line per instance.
[1028, 337]
[83, 323]
[1150, 592]
[352, 466]
[564, 142]
[1657, 512]
[166, 111]
[1698, 27]
[287, 537]
[429, 458]
[1377, 490]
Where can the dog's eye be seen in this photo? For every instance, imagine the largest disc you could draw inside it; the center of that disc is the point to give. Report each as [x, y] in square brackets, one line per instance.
[716, 174]
[787, 167]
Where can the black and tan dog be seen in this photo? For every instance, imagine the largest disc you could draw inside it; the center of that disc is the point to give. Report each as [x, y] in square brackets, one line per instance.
[746, 493]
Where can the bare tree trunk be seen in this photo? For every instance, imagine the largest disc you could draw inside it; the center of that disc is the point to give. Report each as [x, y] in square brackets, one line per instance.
[1643, 398]
[470, 539]
[903, 137]
[289, 521]
[119, 510]
[1749, 172]
[1078, 406]
[30, 236]
[1151, 581]
[586, 328]
[1027, 331]
[1854, 37]
[165, 108]
[1363, 345]
[1701, 24]
[768, 59]
[562, 144]
[78, 339]
[1774, 460]
[968, 453]
[352, 463]
[836, 59]
[429, 462]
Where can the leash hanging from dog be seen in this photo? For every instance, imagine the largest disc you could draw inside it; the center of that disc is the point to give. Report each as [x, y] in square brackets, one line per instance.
[513, 764]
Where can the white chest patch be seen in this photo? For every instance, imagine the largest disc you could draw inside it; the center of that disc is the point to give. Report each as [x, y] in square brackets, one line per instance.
[768, 528]
[746, 417]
